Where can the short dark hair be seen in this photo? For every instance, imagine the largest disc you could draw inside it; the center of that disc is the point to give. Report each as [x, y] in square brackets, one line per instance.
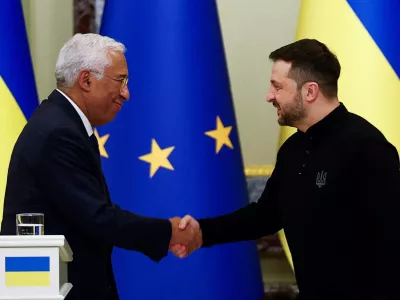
[311, 61]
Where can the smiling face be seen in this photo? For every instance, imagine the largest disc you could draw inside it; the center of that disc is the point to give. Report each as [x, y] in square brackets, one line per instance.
[285, 96]
[104, 97]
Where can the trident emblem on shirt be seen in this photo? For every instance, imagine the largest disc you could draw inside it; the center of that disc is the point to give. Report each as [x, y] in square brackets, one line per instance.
[321, 179]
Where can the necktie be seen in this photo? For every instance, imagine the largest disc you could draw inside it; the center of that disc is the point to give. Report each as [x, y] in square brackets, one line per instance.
[95, 143]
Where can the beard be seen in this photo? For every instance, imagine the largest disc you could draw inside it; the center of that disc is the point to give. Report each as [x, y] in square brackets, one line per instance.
[290, 115]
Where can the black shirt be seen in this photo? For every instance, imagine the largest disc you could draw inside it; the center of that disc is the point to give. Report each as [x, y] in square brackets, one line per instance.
[335, 191]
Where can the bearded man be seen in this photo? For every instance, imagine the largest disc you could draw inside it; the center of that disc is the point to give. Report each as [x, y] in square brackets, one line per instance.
[335, 188]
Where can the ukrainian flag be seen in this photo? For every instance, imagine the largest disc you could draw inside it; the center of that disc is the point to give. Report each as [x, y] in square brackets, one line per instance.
[365, 35]
[27, 271]
[18, 97]
[174, 148]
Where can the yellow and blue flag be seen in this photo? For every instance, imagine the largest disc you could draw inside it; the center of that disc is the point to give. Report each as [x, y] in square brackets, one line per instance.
[18, 97]
[174, 148]
[365, 35]
[27, 271]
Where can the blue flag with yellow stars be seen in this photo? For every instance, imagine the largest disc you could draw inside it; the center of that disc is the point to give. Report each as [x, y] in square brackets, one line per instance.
[365, 36]
[18, 97]
[174, 148]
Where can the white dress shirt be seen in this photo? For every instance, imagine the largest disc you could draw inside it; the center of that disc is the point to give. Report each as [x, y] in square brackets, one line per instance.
[85, 120]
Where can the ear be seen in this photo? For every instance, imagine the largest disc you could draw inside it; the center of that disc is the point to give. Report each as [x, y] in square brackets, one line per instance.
[310, 91]
[85, 80]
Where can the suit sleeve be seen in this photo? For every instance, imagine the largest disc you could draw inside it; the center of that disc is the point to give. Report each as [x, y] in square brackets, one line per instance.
[248, 223]
[75, 192]
[378, 176]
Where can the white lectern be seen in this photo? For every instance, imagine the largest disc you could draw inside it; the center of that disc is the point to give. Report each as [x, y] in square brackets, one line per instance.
[34, 267]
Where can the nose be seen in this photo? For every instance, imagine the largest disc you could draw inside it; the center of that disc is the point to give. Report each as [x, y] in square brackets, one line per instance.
[125, 93]
[270, 97]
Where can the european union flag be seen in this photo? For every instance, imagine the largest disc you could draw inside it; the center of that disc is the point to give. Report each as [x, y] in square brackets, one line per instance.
[18, 97]
[174, 148]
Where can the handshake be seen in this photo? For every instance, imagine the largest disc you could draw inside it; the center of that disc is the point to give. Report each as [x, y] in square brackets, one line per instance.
[186, 236]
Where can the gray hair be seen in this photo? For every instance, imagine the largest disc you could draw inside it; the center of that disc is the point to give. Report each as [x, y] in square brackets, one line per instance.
[84, 51]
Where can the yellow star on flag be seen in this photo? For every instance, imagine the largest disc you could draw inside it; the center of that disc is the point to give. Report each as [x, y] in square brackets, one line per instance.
[157, 158]
[102, 142]
[221, 135]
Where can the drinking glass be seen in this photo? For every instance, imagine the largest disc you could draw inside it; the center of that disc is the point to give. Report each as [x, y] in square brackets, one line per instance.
[30, 224]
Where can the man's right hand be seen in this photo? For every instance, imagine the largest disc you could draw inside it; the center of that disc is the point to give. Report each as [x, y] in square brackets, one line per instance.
[186, 236]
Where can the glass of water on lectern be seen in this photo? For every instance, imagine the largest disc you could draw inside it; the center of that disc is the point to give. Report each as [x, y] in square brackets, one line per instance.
[30, 224]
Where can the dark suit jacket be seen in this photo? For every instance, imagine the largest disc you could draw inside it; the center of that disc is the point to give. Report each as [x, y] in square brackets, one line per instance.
[55, 170]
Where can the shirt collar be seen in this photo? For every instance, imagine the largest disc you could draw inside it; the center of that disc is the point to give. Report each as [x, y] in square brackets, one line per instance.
[329, 124]
[84, 119]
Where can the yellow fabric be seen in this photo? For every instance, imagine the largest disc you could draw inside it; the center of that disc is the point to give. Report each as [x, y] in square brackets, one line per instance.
[368, 85]
[27, 278]
[12, 121]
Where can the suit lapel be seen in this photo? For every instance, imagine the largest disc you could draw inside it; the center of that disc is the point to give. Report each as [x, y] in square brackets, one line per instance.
[58, 99]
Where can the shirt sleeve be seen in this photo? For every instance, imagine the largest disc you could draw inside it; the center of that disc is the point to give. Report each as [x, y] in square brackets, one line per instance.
[379, 187]
[74, 190]
[379, 180]
[248, 223]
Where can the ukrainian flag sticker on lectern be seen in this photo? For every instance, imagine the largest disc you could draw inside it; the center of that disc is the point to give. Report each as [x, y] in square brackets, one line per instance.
[27, 271]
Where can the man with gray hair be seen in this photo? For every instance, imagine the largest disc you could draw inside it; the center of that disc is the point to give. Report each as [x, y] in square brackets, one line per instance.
[55, 169]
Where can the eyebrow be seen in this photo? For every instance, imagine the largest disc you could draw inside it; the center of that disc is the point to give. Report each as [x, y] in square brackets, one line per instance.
[122, 75]
[275, 83]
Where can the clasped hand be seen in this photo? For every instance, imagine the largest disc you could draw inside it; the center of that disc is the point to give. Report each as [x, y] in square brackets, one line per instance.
[186, 236]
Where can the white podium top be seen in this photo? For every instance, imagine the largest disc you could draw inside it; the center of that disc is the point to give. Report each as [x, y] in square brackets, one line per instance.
[33, 241]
